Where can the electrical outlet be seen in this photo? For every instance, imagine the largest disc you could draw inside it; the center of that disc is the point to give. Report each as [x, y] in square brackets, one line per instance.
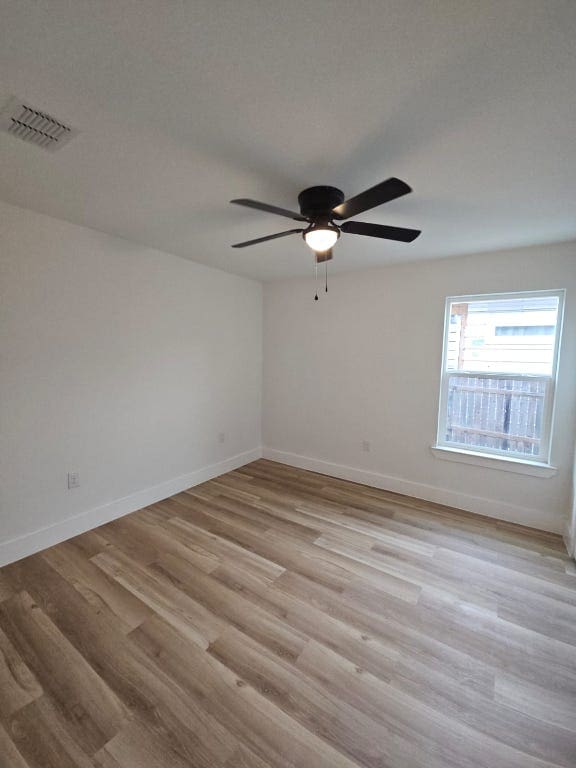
[73, 480]
[221, 437]
[365, 446]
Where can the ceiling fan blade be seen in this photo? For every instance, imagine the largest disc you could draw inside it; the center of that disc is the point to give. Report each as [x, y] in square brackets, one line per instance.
[379, 230]
[370, 198]
[269, 208]
[268, 237]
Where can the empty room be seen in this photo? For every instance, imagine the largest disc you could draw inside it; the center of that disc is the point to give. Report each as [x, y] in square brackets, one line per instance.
[287, 384]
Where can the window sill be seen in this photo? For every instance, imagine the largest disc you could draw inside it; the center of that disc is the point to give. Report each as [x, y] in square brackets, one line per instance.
[504, 463]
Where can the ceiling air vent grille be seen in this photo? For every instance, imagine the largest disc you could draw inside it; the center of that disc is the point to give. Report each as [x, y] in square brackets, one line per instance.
[34, 126]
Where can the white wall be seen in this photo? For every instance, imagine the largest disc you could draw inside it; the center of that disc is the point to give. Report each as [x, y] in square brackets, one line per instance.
[363, 363]
[120, 363]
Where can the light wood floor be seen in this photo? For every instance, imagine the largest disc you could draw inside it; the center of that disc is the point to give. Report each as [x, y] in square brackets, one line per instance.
[274, 617]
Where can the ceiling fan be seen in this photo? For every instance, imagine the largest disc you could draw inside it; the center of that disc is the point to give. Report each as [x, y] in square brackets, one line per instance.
[320, 207]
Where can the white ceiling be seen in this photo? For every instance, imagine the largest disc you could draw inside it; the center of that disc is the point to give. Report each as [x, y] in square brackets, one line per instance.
[185, 104]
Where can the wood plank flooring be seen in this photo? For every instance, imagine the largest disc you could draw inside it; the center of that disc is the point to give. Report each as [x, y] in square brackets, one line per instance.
[275, 618]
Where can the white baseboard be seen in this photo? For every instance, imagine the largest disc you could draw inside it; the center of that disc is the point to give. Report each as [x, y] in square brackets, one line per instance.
[22, 546]
[570, 534]
[533, 518]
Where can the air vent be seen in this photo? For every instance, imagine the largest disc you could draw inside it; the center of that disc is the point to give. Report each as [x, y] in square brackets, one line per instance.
[34, 126]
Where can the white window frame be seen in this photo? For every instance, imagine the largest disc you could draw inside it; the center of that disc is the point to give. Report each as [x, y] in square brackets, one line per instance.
[493, 457]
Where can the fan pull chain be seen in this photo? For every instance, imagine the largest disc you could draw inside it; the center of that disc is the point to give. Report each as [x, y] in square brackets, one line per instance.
[326, 265]
[316, 277]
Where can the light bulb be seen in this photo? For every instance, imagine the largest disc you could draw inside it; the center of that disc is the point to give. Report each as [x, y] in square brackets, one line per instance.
[321, 239]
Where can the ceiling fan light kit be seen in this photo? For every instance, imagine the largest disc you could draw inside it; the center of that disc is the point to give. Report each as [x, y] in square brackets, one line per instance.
[321, 238]
[321, 206]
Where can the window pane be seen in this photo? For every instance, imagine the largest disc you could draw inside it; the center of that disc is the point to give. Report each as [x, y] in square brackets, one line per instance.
[502, 414]
[503, 335]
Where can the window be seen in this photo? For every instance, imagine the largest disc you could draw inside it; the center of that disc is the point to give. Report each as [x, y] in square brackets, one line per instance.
[499, 374]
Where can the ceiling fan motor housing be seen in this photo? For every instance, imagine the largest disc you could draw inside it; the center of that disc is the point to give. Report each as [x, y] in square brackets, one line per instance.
[316, 203]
